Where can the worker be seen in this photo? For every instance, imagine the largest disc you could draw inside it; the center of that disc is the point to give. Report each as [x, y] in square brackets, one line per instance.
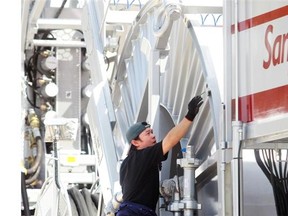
[139, 172]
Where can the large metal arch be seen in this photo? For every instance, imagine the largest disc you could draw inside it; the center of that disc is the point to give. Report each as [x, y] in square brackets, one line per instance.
[201, 78]
[185, 71]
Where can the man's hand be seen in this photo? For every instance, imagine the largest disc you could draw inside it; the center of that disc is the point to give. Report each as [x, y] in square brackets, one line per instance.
[193, 107]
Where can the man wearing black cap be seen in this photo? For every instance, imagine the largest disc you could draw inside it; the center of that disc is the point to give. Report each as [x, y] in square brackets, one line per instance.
[139, 172]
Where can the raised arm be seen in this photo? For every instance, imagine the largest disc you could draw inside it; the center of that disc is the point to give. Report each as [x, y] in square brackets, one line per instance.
[179, 131]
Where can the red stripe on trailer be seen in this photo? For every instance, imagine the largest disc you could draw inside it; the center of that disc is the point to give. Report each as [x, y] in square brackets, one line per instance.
[263, 18]
[262, 105]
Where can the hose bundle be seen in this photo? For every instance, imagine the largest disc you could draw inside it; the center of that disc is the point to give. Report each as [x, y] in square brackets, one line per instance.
[276, 171]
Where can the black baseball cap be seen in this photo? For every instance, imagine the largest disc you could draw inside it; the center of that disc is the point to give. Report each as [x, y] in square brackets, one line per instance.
[135, 130]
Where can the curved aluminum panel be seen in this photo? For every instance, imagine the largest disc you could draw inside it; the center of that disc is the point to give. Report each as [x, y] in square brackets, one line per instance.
[171, 77]
[183, 74]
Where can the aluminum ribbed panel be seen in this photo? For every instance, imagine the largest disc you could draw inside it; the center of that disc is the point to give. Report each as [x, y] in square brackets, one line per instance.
[183, 77]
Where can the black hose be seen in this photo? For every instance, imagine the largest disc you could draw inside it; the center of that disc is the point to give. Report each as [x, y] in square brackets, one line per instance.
[79, 201]
[37, 162]
[56, 165]
[34, 171]
[286, 173]
[34, 177]
[24, 195]
[60, 9]
[275, 176]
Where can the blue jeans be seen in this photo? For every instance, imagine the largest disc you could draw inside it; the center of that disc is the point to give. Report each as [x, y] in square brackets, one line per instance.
[134, 209]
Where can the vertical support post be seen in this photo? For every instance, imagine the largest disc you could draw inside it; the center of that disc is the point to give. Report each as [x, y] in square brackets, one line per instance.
[237, 169]
[223, 164]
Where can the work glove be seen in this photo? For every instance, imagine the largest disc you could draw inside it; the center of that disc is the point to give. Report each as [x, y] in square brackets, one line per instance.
[193, 107]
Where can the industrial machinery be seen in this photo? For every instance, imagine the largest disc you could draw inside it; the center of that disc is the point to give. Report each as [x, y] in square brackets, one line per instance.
[92, 68]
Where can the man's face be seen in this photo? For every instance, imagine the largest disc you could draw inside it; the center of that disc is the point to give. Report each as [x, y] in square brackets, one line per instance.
[146, 139]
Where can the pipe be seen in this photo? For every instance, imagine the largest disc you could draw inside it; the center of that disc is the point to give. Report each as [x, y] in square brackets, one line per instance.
[34, 177]
[189, 185]
[37, 161]
[54, 43]
[35, 169]
[237, 172]
[223, 163]
[236, 60]
[56, 164]
[25, 199]
[176, 198]
[189, 164]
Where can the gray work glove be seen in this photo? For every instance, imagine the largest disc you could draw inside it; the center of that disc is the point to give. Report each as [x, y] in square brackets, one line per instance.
[193, 107]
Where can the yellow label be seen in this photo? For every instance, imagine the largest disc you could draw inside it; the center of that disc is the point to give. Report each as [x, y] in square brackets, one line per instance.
[71, 159]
